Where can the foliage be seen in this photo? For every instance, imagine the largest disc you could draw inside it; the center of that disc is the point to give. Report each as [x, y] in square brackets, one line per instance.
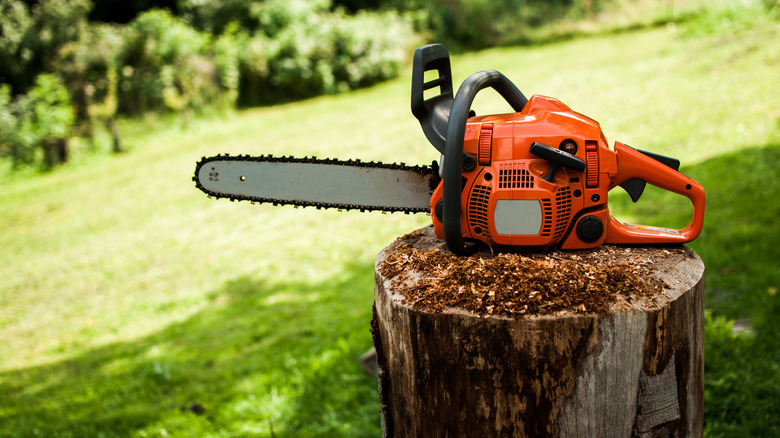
[16, 24]
[302, 52]
[156, 63]
[32, 35]
[214, 16]
[7, 121]
[87, 67]
[485, 23]
[125, 11]
[35, 121]
[295, 49]
[245, 51]
[164, 64]
[227, 55]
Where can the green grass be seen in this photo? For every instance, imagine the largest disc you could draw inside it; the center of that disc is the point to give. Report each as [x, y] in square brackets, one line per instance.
[128, 298]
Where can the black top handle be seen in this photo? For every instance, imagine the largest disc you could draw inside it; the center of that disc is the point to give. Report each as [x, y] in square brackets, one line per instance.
[434, 112]
[453, 150]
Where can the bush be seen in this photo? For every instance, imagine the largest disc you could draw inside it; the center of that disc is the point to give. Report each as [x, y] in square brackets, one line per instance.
[485, 23]
[303, 51]
[89, 68]
[265, 52]
[227, 54]
[156, 63]
[32, 35]
[164, 65]
[7, 122]
[279, 50]
[36, 125]
[214, 16]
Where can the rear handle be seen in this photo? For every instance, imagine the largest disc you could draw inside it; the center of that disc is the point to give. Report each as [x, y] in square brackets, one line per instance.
[633, 164]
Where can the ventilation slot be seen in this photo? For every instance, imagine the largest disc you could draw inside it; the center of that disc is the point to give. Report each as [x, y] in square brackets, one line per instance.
[563, 210]
[478, 210]
[547, 217]
[514, 176]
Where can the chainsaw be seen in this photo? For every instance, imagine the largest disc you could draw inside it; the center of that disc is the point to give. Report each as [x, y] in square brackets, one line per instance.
[534, 179]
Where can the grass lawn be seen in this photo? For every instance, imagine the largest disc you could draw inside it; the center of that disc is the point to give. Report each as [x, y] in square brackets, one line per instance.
[133, 306]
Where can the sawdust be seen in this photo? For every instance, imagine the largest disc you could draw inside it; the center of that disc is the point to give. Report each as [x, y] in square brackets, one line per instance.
[430, 278]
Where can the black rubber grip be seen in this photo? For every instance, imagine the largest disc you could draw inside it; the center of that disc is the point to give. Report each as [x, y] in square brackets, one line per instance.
[434, 112]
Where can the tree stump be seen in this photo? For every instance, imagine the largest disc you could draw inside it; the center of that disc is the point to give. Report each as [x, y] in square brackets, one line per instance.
[607, 342]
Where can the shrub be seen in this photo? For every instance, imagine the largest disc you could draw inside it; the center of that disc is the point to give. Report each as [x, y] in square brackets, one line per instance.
[301, 51]
[7, 122]
[214, 16]
[227, 54]
[484, 23]
[32, 35]
[165, 64]
[271, 51]
[37, 124]
[278, 50]
[89, 68]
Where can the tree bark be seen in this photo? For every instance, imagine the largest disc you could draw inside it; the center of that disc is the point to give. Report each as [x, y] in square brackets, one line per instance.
[116, 145]
[55, 152]
[636, 370]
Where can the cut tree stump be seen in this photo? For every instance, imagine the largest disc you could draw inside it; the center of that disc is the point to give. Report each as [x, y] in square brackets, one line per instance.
[607, 342]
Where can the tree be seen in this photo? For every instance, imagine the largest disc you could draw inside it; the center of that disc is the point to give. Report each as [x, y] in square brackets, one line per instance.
[42, 120]
[32, 33]
[90, 69]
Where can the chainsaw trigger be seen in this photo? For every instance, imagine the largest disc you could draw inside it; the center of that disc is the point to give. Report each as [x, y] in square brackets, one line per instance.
[634, 187]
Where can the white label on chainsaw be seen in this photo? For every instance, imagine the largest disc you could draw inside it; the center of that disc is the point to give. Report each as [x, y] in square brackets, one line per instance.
[518, 217]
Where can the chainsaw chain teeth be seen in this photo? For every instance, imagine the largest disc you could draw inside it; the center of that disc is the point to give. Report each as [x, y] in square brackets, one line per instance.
[425, 170]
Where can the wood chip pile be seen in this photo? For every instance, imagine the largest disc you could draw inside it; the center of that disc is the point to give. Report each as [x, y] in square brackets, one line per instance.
[430, 278]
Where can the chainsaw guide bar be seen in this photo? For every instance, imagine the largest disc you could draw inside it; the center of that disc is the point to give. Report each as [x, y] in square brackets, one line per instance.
[319, 183]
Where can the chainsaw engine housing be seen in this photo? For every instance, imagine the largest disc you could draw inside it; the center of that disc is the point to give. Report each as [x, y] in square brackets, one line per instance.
[510, 199]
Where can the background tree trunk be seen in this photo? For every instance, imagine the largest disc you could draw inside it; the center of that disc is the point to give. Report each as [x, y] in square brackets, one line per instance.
[116, 145]
[636, 370]
[55, 152]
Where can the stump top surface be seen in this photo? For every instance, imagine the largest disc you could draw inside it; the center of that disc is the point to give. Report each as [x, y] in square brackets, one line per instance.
[418, 271]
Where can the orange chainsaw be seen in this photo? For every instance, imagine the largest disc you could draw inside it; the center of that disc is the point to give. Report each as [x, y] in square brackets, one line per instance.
[533, 179]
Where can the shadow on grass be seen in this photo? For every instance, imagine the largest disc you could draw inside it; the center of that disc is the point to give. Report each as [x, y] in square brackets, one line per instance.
[261, 359]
